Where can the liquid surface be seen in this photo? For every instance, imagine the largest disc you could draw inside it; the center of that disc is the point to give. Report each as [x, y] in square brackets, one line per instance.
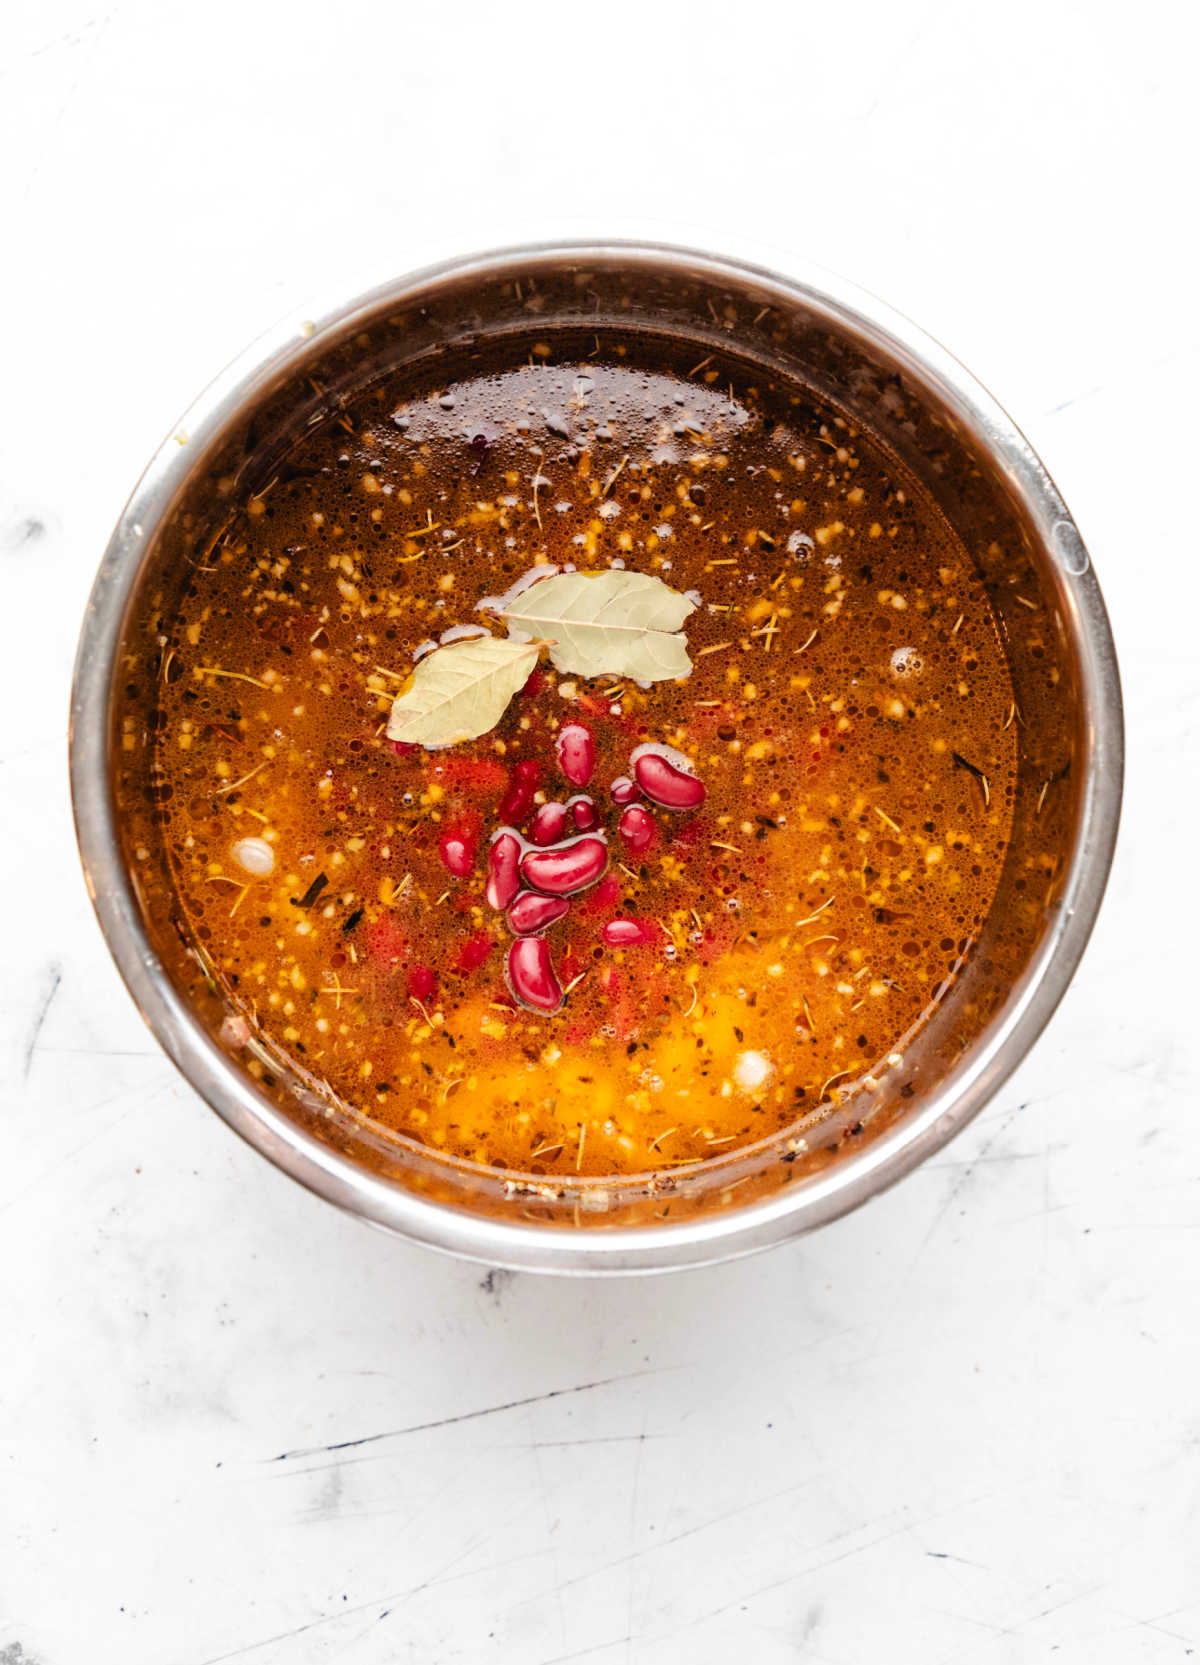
[849, 715]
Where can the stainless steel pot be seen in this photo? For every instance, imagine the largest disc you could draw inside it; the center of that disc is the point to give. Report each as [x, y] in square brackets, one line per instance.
[882, 371]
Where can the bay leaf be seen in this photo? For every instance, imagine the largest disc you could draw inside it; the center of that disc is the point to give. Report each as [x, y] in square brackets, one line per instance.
[613, 623]
[461, 691]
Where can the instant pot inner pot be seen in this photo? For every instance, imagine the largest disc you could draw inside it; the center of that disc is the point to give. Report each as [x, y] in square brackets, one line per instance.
[788, 336]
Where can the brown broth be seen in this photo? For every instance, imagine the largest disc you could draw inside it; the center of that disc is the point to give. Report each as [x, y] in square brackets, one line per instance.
[849, 712]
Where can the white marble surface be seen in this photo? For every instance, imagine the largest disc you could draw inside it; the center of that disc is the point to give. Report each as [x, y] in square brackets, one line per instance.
[963, 1425]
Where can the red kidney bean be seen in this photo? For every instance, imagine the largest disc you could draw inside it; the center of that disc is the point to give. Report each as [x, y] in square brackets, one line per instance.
[518, 799]
[576, 753]
[504, 879]
[548, 824]
[422, 984]
[567, 868]
[623, 790]
[584, 814]
[402, 748]
[459, 845]
[534, 685]
[529, 972]
[623, 933]
[667, 779]
[637, 828]
[531, 911]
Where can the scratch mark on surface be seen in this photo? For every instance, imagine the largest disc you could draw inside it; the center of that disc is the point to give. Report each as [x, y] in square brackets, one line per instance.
[354, 1640]
[29, 1187]
[45, 1001]
[571, 1445]
[791, 1577]
[586, 1653]
[957, 1188]
[552, 1542]
[1154, 1622]
[901, 56]
[491, 1567]
[951, 1164]
[1045, 1612]
[102, 1051]
[75, 38]
[346, 1612]
[1085, 393]
[633, 1509]
[287, 1635]
[1134, 377]
[463, 1416]
[676, 1538]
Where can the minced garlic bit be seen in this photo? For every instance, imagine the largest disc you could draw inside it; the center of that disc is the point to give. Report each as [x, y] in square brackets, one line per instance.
[751, 1070]
[255, 855]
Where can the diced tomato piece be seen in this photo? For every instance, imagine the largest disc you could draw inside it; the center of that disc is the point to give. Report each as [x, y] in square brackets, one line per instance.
[654, 994]
[386, 942]
[603, 899]
[485, 775]
[689, 832]
[422, 983]
[297, 627]
[472, 953]
[602, 711]
[716, 941]
[816, 754]
[618, 1006]
[705, 720]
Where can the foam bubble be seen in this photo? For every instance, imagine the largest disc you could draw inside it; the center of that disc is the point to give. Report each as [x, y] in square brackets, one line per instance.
[906, 661]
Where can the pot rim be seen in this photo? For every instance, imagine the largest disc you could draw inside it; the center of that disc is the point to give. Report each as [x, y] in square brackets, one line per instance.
[735, 1231]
